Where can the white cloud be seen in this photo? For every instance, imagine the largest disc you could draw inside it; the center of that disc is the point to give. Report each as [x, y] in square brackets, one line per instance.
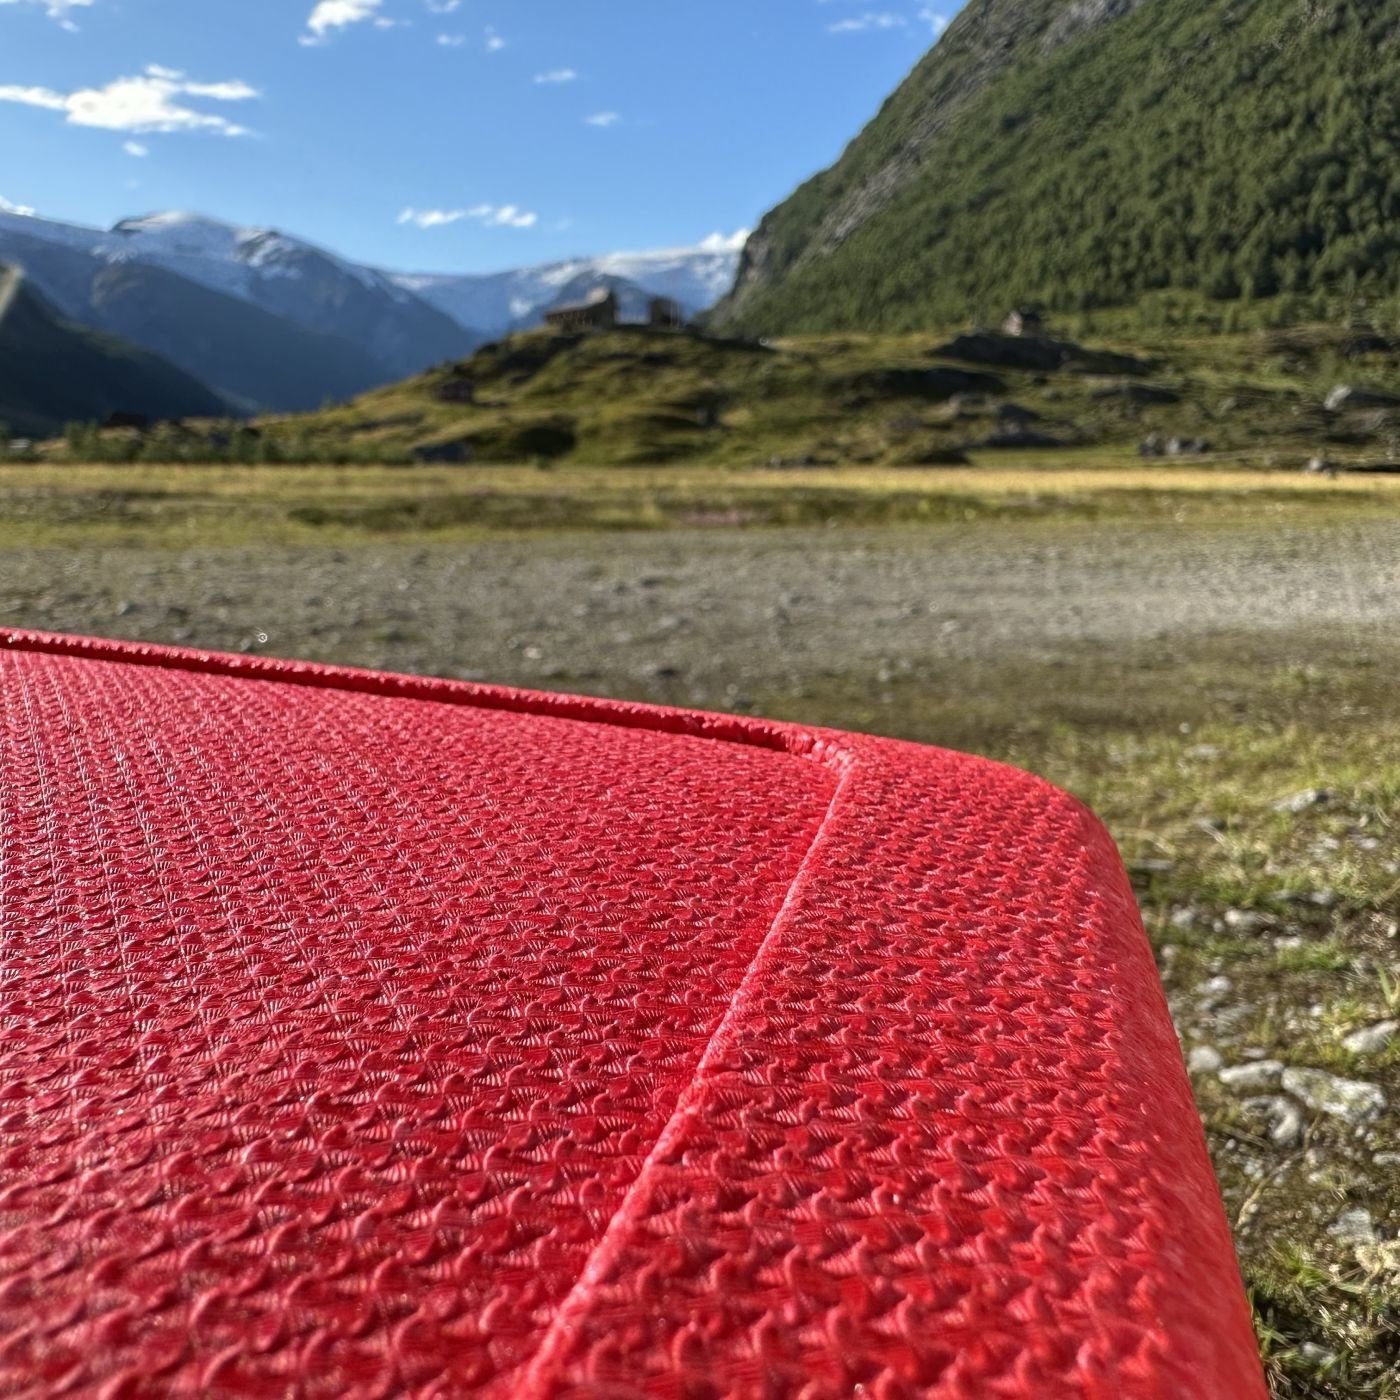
[936, 22]
[55, 9]
[859, 24]
[450, 41]
[23, 210]
[494, 42]
[431, 218]
[503, 216]
[330, 15]
[149, 103]
[487, 215]
[604, 119]
[443, 7]
[135, 148]
[557, 75]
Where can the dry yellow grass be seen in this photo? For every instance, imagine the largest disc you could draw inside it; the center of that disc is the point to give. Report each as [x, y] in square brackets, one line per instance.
[162, 505]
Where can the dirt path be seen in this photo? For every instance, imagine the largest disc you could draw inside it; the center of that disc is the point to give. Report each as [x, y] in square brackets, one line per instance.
[706, 614]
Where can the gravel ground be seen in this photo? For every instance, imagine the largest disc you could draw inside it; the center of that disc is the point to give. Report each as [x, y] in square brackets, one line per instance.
[704, 616]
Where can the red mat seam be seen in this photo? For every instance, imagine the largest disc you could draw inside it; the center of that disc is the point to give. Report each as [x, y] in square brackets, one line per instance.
[553, 1349]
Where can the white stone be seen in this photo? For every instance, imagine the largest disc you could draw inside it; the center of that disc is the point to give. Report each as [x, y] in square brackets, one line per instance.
[1352, 1100]
[1372, 1040]
[1253, 1078]
[1353, 1227]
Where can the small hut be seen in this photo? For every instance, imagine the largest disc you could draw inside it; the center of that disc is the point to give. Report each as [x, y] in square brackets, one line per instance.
[599, 312]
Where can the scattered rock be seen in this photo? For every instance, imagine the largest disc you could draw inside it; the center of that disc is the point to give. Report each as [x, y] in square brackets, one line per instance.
[1387, 1159]
[1372, 1040]
[1352, 1100]
[1213, 992]
[1353, 1227]
[1254, 1078]
[1161, 445]
[1320, 466]
[1286, 1127]
[1303, 801]
[1244, 920]
[1204, 1059]
[1316, 1355]
[1351, 396]
[1016, 413]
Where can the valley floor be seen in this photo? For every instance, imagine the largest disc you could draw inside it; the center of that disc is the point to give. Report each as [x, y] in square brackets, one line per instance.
[1222, 689]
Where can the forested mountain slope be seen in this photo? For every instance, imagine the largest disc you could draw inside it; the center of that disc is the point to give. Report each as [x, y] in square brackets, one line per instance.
[1086, 152]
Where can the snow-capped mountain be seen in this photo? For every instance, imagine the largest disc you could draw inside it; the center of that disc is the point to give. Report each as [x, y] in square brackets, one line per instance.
[497, 302]
[280, 275]
[385, 325]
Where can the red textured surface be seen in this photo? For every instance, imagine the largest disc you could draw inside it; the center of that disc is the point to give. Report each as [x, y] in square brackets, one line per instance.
[365, 1036]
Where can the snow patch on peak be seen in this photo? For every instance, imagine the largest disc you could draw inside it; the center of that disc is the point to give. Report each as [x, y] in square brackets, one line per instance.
[696, 277]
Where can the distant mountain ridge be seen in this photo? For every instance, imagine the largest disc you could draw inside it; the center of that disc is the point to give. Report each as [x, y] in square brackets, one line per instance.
[1083, 153]
[53, 372]
[498, 302]
[278, 324]
[271, 322]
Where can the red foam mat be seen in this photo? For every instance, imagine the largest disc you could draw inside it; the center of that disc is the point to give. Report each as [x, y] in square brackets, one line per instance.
[368, 1036]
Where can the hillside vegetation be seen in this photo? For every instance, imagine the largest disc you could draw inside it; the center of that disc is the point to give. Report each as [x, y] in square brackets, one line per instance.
[632, 398]
[1086, 155]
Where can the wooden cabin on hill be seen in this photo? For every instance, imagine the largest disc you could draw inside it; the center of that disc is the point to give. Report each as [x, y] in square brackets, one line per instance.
[599, 312]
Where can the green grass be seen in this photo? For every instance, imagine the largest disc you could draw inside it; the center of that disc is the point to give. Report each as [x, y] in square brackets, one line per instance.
[1184, 752]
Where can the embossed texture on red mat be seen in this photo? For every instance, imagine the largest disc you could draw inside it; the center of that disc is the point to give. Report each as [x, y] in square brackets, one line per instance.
[370, 1036]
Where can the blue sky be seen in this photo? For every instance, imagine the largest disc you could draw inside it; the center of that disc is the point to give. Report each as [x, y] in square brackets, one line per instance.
[460, 135]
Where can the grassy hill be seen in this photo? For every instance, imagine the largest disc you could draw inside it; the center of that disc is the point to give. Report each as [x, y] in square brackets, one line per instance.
[53, 372]
[1084, 396]
[1086, 155]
